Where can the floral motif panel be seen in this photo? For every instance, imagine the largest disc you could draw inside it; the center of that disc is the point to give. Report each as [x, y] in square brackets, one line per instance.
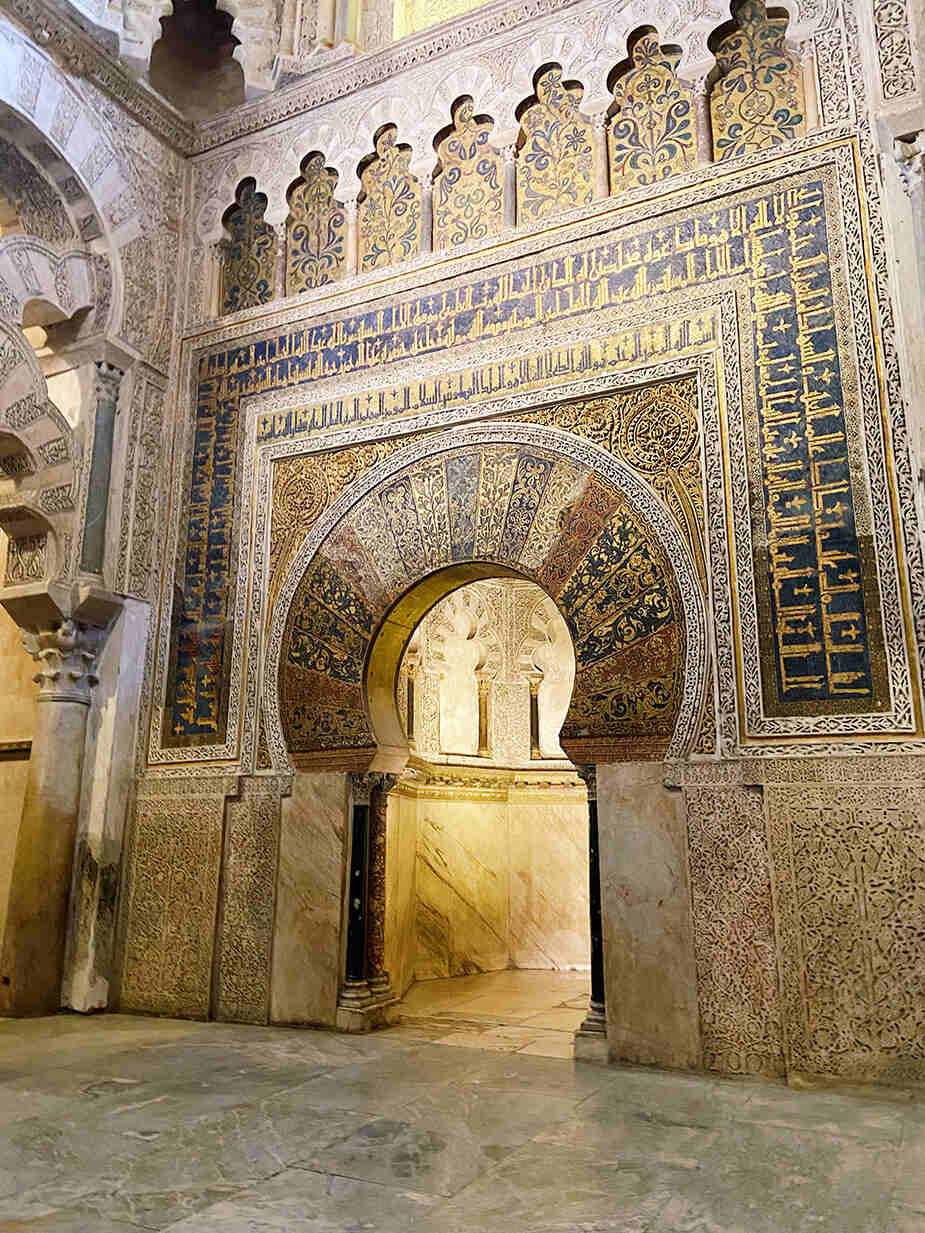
[757, 101]
[651, 133]
[249, 255]
[469, 191]
[389, 208]
[315, 230]
[555, 166]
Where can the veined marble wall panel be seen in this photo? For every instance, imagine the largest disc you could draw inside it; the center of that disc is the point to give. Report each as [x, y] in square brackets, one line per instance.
[461, 887]
[401, 860]
[307, 934]
[650, 972]
[549, 920]
[13, 776]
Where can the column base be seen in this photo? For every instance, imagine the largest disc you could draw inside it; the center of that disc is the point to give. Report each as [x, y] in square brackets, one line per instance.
[591, 1037]
[364, 1006]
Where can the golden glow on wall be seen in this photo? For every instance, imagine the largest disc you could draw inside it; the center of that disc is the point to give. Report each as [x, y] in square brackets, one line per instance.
[413, 15]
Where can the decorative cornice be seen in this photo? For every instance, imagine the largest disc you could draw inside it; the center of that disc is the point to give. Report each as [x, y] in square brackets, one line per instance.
[80, 54]
[368, 69]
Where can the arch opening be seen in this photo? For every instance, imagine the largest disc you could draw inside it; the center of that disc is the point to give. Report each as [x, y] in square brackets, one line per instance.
[487, 827]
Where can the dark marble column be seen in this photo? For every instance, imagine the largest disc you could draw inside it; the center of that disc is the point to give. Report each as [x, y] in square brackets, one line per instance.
[380, 983]
[356, 987]
[108, 380]
[595, 1021]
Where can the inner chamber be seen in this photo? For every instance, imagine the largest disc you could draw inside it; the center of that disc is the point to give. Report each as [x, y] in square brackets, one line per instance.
[487, 917]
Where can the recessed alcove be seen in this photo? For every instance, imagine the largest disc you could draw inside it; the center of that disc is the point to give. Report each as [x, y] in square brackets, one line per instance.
[192, 63]
[488, 825]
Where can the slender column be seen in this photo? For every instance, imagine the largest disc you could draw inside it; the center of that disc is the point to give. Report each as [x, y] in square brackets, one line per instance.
[32, 962]
[108, 380]
[601, 161]
[535, 680]
[427, 211]
[484, 683]
[380, 984]
[352, 236]
[595, 1020]
[409, 699]
[509, 154]
[356, 987]
[703, 127]
[281, 260]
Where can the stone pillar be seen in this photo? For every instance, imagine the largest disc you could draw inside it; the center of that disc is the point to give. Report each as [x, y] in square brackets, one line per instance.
[601, 159]
[591, 1037]
[703, 127]
[108, 380]
[366, 999]
[352, 237]
[535, 680]
[380, 983]
[509, 154]
[64, 638]
[484, 684]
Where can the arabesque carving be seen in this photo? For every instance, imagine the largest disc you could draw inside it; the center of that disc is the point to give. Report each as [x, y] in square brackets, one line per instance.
[651, 133]
[469, 190]
[389, 207]
[316, 243]
[556, 157]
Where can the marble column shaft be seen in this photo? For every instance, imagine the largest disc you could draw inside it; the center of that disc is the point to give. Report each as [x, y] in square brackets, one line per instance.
[379, 981]
[509, 155]
[32, 961]
[108, 380]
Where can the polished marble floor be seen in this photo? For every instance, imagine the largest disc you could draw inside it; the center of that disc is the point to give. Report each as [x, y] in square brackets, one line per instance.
[113, 1124]
[513, 1011]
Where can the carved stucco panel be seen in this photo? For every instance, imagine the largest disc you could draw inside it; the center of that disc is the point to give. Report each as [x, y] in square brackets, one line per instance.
[849, 888]
[740, 1013]
[171, 895]
[245, 932]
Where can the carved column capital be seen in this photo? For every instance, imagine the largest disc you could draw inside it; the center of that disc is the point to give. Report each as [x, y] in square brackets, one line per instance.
[108, 381]
[67, 660]
[910, 157]
[588, 775]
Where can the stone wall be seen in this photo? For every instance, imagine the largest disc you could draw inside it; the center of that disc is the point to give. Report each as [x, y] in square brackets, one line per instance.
[767, 919]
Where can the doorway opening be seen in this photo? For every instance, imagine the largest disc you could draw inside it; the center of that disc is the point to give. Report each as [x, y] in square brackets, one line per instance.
[487, 934]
